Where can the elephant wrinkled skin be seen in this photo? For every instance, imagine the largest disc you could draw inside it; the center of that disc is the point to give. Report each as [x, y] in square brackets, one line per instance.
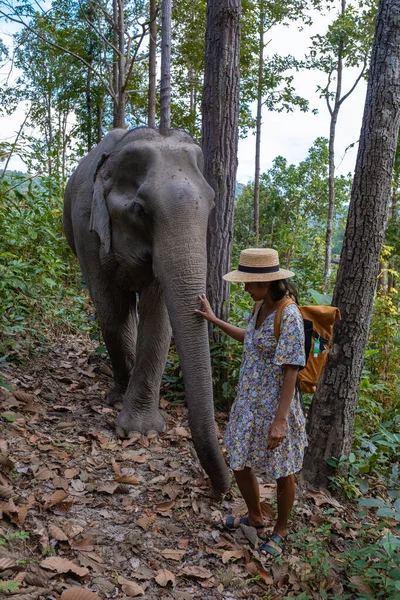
[135, 214]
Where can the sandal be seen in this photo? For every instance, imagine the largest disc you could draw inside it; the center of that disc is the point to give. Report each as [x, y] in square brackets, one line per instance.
[232, 522]
[273, 547]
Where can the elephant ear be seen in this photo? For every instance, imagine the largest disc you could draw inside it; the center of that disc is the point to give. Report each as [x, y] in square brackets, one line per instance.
[100, 218]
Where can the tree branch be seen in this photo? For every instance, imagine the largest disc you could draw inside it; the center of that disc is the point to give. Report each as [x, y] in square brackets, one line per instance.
[356, 82]
[14, 145]
[97, 31]
[65, 50]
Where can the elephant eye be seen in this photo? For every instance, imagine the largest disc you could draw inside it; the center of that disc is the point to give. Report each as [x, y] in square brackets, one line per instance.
[137, 208]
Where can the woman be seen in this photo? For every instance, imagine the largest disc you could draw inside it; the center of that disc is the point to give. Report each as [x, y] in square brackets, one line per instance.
[266, 429]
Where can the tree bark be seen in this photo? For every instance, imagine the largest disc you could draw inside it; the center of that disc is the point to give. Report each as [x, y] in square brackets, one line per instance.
[119, 64]
[331, 418]
[165, 85]
[220, 108]
[152, 65]
[258, 129]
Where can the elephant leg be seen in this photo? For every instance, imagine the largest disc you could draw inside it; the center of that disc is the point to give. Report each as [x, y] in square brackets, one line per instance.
[116, 310]
[140, 412]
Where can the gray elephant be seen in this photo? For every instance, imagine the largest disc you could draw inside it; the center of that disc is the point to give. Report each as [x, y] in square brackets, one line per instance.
[135, 214]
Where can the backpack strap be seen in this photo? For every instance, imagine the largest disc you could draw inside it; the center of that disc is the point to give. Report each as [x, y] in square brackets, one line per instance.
[279, 315]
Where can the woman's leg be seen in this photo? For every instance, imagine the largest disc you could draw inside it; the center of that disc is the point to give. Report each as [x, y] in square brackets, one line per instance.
[285, 500]
[248, 486]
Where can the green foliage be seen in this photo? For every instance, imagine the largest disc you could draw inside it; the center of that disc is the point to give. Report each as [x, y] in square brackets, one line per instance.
[39, 277]
[8, 586]
[376, 562]
[293, 209]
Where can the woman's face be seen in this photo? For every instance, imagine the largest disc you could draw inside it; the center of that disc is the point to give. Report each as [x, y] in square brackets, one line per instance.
[258, 290]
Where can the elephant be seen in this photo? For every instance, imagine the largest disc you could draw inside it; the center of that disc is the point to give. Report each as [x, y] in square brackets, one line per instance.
[136, 211]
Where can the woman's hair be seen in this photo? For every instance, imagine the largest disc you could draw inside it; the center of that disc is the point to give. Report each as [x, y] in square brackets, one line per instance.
[282, 287]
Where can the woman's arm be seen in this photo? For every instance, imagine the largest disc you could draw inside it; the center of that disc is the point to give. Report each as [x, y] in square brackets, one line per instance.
[277, 431]
[237, 333]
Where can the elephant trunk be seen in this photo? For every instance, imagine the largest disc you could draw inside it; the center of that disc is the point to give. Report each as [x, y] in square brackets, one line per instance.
[181, 269]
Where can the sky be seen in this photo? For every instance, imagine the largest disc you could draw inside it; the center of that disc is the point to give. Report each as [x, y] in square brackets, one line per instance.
[289, 135]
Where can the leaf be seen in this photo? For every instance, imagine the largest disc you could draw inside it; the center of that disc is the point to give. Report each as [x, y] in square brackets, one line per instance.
[57, 534]
[131, 455]
[130, 588]
[7, 562]
[107, 487]
[10, 417]
[164, 506]
[6, 492]
[56, 498]
[229, 554]
[24, 397]
[360, 585]
[132, 440]
[116, 468]
[44, 474]
[77, 593]
[254, 569]
[163, 577]
[173, 554]
[322, 497]
[128, 479]
[322, 299]
[71, 473]
[145, 522]
[180, 432]
[371, 502]
[85, 545]
[194, 571]
[6, 462]
[63, 565]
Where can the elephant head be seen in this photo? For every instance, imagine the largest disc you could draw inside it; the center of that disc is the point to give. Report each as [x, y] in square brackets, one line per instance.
[150, 210]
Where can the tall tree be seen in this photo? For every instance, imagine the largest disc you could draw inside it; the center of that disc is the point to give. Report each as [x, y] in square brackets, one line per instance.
[347, 43]
[120, 27]
[187, 68]
[331, 418]
[165, 84]
[151, 110]
[266, 79]
[220, 109]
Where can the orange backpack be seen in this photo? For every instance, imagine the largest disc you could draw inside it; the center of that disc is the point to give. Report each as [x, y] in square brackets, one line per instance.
[318, 329]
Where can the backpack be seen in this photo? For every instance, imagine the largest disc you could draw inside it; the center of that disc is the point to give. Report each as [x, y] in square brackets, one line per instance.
[318, 329]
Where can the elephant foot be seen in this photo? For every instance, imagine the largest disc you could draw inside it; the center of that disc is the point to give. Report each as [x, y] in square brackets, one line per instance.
[129, 425]
[115, 396]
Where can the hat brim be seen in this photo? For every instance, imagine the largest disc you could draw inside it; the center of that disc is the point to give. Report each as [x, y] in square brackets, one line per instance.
[242, 277]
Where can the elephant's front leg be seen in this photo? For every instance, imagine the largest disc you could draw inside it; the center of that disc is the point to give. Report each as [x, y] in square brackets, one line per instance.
[140, 412]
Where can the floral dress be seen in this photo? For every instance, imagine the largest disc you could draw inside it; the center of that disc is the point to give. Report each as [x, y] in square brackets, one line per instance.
[260, 383]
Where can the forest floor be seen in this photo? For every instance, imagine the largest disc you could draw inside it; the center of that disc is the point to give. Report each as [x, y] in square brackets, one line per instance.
[81, 509]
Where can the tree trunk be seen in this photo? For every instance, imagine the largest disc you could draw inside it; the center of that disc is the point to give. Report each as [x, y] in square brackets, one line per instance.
[331, 176]
[220, 108]
[165, 85]
[89, 100]
[119, 83]
[99, 122]
[258, 129]
[331, 418]
[152, 65]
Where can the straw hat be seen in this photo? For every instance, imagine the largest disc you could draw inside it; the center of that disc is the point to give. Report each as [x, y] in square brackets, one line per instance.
[258, 264]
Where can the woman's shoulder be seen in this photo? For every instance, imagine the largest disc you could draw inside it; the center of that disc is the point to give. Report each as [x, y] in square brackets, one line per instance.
[291, 310]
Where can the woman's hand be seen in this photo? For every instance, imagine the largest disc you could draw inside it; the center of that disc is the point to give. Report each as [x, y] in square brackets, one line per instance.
[206, 310]
[277, 433]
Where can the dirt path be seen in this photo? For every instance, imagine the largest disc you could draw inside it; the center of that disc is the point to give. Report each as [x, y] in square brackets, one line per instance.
[123, 519]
